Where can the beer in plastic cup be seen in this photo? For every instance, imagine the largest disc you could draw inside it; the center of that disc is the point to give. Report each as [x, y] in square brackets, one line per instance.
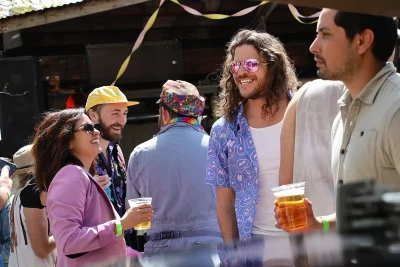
[137, 202]
[291, 205]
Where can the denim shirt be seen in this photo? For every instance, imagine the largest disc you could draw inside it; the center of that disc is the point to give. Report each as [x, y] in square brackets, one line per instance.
[232, 162]
[5, 233]
[170, 168]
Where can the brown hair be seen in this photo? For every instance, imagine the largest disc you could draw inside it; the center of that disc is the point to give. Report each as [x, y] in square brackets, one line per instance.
[20, 180]
[97, 108]
[50, 148]
[281, 77]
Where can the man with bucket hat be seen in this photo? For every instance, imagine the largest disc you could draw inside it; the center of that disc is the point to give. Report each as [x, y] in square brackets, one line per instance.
[170, 168]
[107, 107]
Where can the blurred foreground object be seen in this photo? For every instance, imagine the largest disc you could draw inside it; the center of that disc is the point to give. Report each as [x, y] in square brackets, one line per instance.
[368, 235]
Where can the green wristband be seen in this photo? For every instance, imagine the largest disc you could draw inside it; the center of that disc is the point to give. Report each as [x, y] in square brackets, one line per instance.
[118, 227]
[326, 224]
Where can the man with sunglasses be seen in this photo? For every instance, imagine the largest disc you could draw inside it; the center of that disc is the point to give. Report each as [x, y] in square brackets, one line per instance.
[107, 107]
[244, 153]
[170, 168]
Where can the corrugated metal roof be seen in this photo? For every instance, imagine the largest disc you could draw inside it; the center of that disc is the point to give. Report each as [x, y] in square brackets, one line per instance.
[9, 8]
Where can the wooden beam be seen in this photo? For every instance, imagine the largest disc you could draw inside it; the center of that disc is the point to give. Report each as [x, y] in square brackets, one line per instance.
[382, 7]
[62, 13]
[134, 22]
[63, 39]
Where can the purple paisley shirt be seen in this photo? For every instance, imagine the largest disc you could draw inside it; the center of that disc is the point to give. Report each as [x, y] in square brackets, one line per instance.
[232, 162]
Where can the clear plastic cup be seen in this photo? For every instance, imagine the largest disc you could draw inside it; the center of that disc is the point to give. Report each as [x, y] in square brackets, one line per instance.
[292, 209]
[137, 202]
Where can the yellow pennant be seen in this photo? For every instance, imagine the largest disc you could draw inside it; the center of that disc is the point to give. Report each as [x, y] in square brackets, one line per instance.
[190, 10]
[138, 42]
[297, 15]
[219, 16]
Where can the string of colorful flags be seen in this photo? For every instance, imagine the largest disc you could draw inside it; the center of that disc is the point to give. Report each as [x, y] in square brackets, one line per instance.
[194, 12]
[297, 15]
[219, 16]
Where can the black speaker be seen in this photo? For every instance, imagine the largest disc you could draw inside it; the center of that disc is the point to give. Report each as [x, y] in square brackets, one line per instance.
[152, 62]
[21, 101]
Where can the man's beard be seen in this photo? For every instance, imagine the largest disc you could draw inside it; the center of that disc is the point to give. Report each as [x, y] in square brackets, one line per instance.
[345, 73]
[258, 92]
[106, 132]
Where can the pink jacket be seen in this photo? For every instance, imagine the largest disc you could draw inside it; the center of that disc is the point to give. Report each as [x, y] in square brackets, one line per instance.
[82, 220]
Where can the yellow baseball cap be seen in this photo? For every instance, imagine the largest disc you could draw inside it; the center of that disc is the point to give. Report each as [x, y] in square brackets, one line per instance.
[107, 95]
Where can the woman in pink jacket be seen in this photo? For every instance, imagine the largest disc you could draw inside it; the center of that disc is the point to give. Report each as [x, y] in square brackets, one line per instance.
[86, 228]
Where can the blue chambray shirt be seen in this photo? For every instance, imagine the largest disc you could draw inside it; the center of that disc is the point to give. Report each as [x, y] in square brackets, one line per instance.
[170, 168]
[232, 162]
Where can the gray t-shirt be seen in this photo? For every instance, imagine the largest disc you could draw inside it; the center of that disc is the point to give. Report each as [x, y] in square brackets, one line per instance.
[315, 113]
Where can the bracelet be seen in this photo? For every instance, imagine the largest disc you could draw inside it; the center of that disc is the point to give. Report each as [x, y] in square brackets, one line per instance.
[326, 224]
[118, 227]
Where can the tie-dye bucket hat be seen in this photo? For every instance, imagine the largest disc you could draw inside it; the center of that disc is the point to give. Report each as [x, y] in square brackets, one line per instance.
[182, 97]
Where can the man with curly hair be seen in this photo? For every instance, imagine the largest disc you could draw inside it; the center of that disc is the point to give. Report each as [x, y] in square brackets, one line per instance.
[244, 150]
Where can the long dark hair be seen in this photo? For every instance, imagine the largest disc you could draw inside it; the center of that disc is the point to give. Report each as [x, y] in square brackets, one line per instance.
[50, 148]
[281, 76]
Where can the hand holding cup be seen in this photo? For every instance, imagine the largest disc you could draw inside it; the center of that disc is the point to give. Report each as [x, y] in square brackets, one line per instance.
[138, 217]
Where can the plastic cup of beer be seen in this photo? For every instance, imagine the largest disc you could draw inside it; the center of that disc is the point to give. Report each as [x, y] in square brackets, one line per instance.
[291, 205]
[138, 202]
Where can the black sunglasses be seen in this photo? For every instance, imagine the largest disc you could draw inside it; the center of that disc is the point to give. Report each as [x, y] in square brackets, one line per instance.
[88, 128]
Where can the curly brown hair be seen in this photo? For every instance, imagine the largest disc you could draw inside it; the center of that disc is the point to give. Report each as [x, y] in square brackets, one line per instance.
[50, 147]
[281, 76]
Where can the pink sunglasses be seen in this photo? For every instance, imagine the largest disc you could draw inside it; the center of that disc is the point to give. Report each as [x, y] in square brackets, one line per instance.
[250, 65]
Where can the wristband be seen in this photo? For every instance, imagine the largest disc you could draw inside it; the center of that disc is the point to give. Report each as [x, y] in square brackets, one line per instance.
[326, 224]
[118, 227]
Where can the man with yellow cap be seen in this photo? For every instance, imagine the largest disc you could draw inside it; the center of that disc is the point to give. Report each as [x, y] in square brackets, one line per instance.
[107, 107]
